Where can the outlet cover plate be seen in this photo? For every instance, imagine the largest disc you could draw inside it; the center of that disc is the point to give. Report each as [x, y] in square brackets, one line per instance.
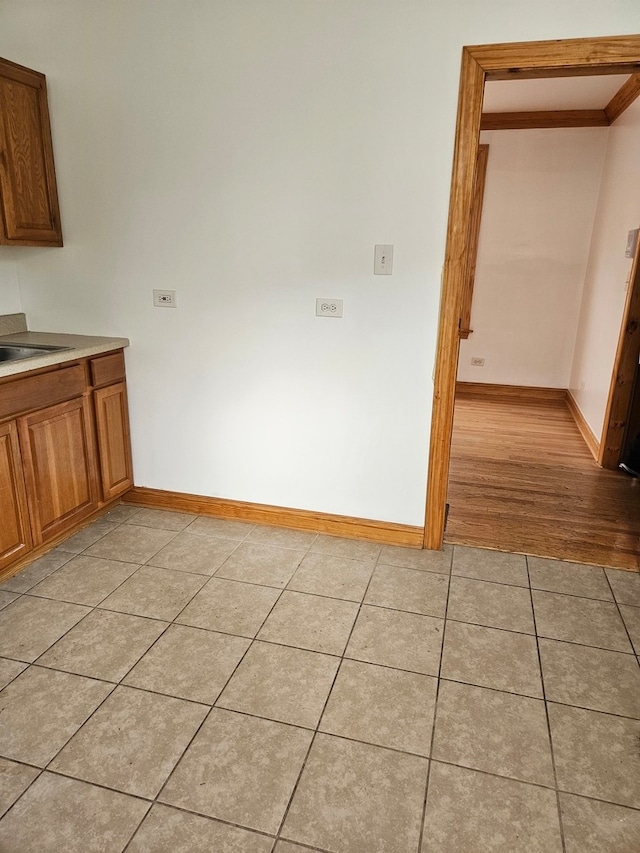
[164, 298]
[328, 307]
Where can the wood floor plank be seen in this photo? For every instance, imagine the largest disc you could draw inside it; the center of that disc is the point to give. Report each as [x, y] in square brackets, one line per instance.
[522, 479]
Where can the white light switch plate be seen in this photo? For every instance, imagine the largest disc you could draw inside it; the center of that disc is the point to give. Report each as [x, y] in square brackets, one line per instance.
[383, 259]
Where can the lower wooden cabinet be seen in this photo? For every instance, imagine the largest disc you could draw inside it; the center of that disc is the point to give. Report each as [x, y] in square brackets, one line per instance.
[65, 450]
[15, 533]
[59, 465]
[112, 422]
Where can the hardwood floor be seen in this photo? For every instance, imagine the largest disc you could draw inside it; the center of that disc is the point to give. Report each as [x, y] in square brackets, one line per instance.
[522, 479]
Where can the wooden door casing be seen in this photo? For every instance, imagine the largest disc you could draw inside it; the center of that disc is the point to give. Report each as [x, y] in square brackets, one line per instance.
[624, 373]
[525, 60]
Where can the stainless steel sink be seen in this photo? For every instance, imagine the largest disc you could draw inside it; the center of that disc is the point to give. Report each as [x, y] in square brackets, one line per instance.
[13, 352]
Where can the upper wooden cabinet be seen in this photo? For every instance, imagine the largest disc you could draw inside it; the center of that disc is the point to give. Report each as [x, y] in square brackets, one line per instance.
[30, 215]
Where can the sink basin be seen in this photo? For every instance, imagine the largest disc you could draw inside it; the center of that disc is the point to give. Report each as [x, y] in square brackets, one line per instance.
[13, 352]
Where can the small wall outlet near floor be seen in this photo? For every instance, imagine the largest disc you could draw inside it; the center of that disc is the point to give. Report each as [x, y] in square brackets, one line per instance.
[164, 298]
[477, 362]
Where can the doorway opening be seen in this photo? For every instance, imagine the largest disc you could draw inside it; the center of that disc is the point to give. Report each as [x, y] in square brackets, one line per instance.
[616, 55]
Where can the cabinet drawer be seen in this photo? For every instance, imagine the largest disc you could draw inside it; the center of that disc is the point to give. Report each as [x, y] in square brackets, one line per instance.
[107, 369]
[45, 389]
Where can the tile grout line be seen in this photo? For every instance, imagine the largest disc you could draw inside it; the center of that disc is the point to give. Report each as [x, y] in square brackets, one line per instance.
[213, 705]
[324, 706]
[539, 785]
[115, 684]
[137, 827]
[34, 663]
[13, 678]
[119, 682]
[546, 713]
[543, 636]
[151, 565]
[341, 737]
[251, 831]
[24, 568]
[622, 619]
[153, 802]
[423, 822]
[98, 607]
[255, 715]
[157, 692]
[17, 800]
[254, 640]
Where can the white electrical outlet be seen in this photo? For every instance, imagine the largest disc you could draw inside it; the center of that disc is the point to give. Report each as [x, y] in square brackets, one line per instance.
[477, 362]
[328, 307]
[632, 242]
[164, 298]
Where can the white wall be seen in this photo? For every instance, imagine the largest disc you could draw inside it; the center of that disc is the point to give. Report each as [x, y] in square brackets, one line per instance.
[249, 154]
[10, 302]
[539, 206]
[608, 270]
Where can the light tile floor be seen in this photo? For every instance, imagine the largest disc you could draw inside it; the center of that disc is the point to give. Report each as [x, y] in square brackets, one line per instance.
[173, 683]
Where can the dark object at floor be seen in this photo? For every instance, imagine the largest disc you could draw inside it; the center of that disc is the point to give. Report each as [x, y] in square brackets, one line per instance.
[631, 460]
[624, 467]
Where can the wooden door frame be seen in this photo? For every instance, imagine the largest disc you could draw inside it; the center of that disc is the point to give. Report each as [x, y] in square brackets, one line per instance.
[624, 373]
[475, 219]
[524, 60]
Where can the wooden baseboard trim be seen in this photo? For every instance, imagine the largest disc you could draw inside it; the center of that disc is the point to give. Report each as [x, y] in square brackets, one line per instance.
[511, 392]
[298, 519]
[585, 430]
[525, 393]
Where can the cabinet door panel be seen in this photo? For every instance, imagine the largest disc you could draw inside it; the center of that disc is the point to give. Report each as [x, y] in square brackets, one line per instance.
[15, 536]
[114, 444]
[27, 175]
[58, 450]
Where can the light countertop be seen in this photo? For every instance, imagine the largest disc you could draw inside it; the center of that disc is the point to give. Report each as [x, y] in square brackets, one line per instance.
[80, 346]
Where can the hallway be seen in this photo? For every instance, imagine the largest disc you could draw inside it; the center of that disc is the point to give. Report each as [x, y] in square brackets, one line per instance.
[522, 479]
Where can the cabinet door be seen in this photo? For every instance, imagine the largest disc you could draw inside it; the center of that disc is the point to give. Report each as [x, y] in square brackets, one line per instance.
[28, 193]
[114, 443]
[59, 464]
[15, 536]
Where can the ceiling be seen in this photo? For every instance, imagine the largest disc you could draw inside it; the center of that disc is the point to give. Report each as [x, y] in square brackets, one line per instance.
[557, 93]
